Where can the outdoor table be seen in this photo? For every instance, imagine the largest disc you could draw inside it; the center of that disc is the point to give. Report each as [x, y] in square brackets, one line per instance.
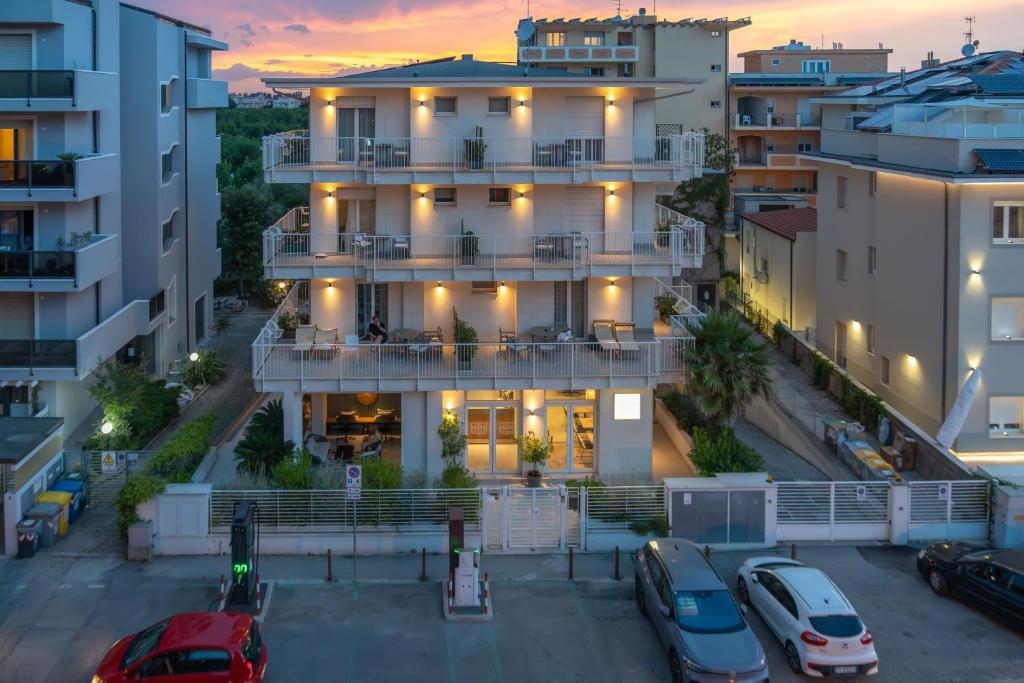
[542, 334]
[405, 335]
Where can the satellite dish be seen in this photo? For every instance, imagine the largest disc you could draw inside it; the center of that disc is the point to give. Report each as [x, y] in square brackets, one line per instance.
[967, 50]
[526, 30]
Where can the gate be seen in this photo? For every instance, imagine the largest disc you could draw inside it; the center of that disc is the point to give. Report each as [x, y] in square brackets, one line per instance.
[104, 486]
[955, 510]
[534, 519]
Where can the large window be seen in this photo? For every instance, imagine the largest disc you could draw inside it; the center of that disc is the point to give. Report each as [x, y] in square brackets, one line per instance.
[1008, 318]
[840, 265]
[593, 38]
[446, 106]
[816, 66]
[499, 106]
[555, 39]
[1005, 416]
[1008, 223]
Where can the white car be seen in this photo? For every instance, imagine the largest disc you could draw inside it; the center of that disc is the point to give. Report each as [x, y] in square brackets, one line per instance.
[816, 624]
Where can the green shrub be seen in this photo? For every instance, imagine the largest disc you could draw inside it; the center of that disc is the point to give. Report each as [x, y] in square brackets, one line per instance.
[263, 445]
[821, 372]
[456, 476]
[208, 369]
[137, 406]
[138, 489]
[379, 473]
[778, 332]
[685, 408]
[296, 472]
[666, 304]
[588, 483]
[657, 526]
[719, 450]
[453, 439]
[178, 458]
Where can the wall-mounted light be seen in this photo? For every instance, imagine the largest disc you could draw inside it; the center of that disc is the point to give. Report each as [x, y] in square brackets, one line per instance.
[423, 195]
[194, 356]
[329, 103]
[330, 194]
[522, 195]
[975, 271]
[530, 412]
[611, 281]
[282, 284]
[423, 102]
[611, 101]
[522, 102]
[439, 284]
[611, 191]
[330, 283]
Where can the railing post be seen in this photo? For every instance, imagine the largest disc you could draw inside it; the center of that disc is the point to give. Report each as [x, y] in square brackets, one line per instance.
[831, 511]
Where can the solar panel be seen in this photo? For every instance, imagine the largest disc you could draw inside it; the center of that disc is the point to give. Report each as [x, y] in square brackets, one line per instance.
[1002, 159]
[1000, 84]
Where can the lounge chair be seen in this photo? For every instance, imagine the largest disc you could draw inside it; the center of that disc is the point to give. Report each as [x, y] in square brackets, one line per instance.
[305, 335]
[325, 340]
[604, 333]
[625, 334]
[510, 342]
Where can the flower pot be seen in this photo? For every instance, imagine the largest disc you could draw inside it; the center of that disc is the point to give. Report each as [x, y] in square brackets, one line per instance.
[533, 479]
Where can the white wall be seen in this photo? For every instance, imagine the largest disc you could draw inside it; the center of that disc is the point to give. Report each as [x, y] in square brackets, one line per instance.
[624, 447]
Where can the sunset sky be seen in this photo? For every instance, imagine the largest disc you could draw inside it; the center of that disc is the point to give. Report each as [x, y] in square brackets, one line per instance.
[328, 37]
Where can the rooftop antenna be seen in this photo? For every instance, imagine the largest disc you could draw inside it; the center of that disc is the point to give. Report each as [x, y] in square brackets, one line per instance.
[971, 45]
[527, 2]
[618, 7]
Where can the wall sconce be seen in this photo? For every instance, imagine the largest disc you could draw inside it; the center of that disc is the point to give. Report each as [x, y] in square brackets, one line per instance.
[329, 103]
[330, 283]
[611, 192]
[423, 102]
[531, 412]
[611, 101]
[423, 195]
[611, 281]
[522, 102]
[975, 271]
[522, 195]
[330, 194]
[439, 284]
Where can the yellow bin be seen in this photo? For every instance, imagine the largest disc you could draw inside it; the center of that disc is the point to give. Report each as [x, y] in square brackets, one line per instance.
[62, 498]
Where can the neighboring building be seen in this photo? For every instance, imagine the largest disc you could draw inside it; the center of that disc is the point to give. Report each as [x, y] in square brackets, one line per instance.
[920, 239]
[262, 100]
[31, 459]
[776, 263]
[773, 118]
[525, 205]
[641, 46]
[112, 254]
[285, 102]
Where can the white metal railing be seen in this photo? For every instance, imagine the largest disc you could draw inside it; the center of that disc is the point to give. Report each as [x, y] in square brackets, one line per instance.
[329, 510]
[621, 507]
[832, 503]
[673, 361]
[949, 502]
[298, 150]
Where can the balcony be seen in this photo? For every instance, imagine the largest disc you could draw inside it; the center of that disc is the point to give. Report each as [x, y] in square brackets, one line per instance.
[206, 93]
[72, 359]
[769, 120]
[61, 90]
[582, 54]
[59, 181]
[60, 271]
[959, 119]
[296, 157]
[289, 252]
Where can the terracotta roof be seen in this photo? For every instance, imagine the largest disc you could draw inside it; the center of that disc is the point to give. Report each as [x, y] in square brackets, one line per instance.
[786, 222]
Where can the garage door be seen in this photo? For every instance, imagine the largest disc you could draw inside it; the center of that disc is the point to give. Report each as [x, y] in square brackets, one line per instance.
[16, 316]
[584, 209]
[15, 51]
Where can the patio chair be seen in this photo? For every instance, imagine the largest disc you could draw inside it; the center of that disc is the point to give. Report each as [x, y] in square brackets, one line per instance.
[386, 422]
[604, 333]
[325, 341]
[305, 335]
[625, 334]
[510, 342]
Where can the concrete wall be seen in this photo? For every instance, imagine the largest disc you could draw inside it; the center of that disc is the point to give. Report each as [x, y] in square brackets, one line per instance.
[791, 61]
[624, 446]
[689, 51]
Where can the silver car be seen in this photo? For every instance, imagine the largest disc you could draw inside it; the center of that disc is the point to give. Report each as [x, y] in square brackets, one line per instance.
[699, 623]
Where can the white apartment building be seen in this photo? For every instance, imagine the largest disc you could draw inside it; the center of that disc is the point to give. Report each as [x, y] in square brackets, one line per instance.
[521, 200]
[920, 239]
[107, 246]
[642, 46]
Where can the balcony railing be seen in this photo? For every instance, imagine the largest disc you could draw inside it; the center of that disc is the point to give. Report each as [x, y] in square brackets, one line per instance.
[38, 353]
[776, 120]
[37, 174]
[30, 85]
[37, 264]
[298, 151]
[579, 53]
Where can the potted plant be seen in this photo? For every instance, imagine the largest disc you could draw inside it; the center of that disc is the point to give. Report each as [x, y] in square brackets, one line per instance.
[473, 150]
[465, 338]
[666, 305]
[469, 244]
[453, 439]
[75, 242]
[535, 451]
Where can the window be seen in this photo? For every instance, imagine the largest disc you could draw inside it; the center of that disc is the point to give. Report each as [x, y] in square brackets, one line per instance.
[499, 106]
[769, 144]
[167, 230]
[884, 370]
[167, 165]
[144, 642]
[166, 96]
[872, 183]
[627, 406]
[716, 104]
[715, 68]
[840, 192]
[499, 196]
[804, 144]
[444, 196]
[483, 287]
[840, 265]
[446, 106]
[816, 66]
[555, 39]
[1004, 416]
[167, 664]
[872, 260]
[1007, 223]
[172, 301]
[207, 661]
[799, 185]
[871, 339]
[593, 37]
[1008, 318]
[716, 34]
[156, 306]
[711, 611]
[776, 62]
[624, 38]
[595, 71]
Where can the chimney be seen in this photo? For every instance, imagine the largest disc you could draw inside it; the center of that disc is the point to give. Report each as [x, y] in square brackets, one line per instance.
[467, 58]
[643, 11]
[903, 77]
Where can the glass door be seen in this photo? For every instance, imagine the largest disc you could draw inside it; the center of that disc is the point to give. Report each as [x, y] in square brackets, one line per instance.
[371, 300]
[491, 445]
[571, 430]
[356, 128]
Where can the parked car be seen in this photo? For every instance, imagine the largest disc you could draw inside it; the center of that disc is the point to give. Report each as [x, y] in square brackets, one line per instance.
[816, 624]
[989, 578]
[699, 624]
[195, 647]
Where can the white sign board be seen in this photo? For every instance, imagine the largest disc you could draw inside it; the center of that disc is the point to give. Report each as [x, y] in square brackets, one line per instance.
[108, 462]
[943, 491]
[862, 493]
[353, 481]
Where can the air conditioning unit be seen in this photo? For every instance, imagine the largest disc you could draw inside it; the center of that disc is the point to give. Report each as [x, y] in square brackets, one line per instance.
[761, 276]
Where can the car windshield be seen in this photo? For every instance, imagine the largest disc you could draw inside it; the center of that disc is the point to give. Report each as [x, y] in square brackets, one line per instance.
[144, 642]
[707, 612]
[838, 625]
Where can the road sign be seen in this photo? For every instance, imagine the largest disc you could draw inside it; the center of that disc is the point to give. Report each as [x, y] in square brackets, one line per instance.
[943, 491]
[353, 481]
[108, 462]
[862, 493]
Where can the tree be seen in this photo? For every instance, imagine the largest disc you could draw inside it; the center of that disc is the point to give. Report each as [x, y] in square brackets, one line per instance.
[728, 367]
[263, 445]
[246, 211]
[135, 405]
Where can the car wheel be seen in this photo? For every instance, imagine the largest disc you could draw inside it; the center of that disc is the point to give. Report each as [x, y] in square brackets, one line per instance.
[638, 593]
[741, 588]
[675, 667]
[938, 582]
[793, 658]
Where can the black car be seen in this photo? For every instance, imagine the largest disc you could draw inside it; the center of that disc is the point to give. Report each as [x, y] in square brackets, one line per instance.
[989, 578]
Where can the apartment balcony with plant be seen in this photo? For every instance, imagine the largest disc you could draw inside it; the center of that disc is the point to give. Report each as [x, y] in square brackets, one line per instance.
[73, 265]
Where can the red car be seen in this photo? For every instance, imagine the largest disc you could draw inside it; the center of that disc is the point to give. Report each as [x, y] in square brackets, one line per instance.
[195, 647]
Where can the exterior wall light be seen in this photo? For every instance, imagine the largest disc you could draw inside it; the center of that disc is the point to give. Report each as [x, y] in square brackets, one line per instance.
[423, 195]
[194, 356]
[611, 192]
[423, 102]
[330, 283]
[330, 194]
[439, 284]
[522, 102]
[107, 427]
[522, 195]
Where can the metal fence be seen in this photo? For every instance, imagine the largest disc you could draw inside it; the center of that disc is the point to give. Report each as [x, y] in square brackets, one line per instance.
[623, 507]
[948, 502]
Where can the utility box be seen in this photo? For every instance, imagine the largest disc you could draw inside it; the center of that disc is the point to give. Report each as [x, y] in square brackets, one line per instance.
[467, 579]
[140, 541]
[243, 553]
[1008, 527]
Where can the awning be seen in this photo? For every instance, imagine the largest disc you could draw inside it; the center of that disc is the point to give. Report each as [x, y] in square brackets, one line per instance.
[958, 413]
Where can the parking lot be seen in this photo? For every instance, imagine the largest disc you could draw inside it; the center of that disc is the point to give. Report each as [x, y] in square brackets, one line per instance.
[58, 615]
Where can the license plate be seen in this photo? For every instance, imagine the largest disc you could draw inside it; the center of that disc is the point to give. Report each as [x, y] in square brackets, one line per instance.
[845, 669]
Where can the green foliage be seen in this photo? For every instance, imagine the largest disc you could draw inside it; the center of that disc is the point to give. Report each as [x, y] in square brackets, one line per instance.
[719, 450]
[457, 476]
[588, 483]
[178, 458]
[135, 405]
[69, 156]
[666, 305]
[207, 370]
[246, 211]
[707, 198]
[242, 131]
[778, 332]
[290, 320]
[138, 489]
[821, 371]
[379, 473]
[263, 445]
[728, 366]
[453, 439]
[534, 449]
[77, 240]
[464, 334]
[657, 526]
[685, 408]
[296, 472]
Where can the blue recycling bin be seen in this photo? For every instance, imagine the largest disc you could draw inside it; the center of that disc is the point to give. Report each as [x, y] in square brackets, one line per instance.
[77, 490]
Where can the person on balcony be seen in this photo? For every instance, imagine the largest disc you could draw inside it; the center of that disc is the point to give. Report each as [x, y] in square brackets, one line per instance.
[378, 331]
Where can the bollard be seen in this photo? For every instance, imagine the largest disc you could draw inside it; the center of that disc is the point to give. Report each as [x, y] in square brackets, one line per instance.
[487, 591]
[792, 551]
[330, 573]
[223, 595]
[618, 575]
[570, 563]
[707, 552]
[423, 564]
[259, 599]
[451, 592]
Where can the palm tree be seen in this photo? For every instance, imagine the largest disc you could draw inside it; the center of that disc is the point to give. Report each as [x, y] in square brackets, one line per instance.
[263, 444]
[728, 367]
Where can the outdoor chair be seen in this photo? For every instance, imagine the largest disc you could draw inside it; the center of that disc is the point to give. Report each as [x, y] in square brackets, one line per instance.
[605, 335]
[274, 329]
[325, 341]
[510, 342]
[385, 422]
[345, 423]
[305, 335]
[625, 334]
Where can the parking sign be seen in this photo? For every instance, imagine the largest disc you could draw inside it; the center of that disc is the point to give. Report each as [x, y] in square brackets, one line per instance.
[353, 481]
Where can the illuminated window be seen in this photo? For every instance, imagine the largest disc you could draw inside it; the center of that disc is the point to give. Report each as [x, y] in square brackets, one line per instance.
[555, 39]
[1008, 318]
[1005, 416]
[1008, 223]
[593, 38]
[627, 406]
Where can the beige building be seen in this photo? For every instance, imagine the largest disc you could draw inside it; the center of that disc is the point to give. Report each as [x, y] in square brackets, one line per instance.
[776, 257]
[921, 245]
[642, 46]
[773, 118]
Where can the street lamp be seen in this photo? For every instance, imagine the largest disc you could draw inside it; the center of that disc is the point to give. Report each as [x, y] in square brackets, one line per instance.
[107, 427]
[194, 356]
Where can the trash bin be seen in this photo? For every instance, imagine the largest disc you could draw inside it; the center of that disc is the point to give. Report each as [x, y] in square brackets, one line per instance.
[77, 491]
[28, 537]
[63, 499]
[48, 515]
